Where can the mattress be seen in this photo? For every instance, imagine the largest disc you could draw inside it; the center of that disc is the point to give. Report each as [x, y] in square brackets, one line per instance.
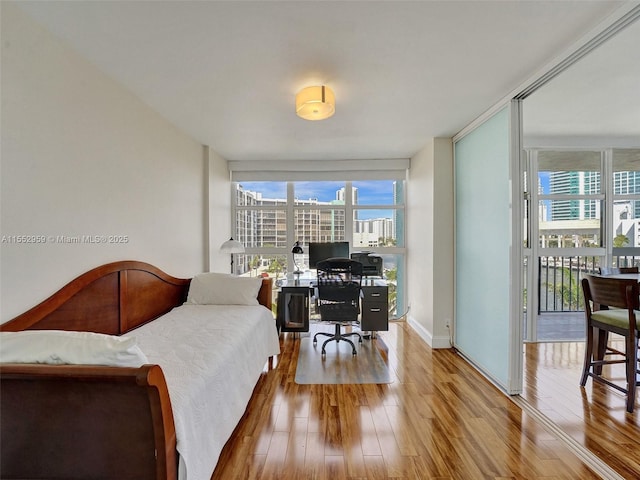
[212, 357]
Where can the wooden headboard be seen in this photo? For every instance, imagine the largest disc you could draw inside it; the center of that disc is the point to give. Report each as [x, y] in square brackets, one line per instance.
[113, 299]
[92, 421]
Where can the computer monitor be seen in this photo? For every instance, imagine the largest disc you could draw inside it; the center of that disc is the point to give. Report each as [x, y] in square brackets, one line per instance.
[321, 251]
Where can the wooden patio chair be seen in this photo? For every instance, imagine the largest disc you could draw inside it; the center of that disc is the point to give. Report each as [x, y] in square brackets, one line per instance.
[611, 305]
[616, 270]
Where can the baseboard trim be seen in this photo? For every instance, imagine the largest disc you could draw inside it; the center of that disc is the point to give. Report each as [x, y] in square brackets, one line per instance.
[420, 330]
[432, 341]
[440, 342]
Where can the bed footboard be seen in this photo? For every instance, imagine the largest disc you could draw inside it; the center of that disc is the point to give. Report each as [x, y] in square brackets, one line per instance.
[86, 422]
[91, 422]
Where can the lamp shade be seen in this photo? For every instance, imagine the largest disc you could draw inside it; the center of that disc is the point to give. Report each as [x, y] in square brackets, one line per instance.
[232, 246]
[297, 249]
[315, 103]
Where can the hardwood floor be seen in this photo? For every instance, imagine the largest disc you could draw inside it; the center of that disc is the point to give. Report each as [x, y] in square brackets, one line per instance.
[594, 416]
[438, 419]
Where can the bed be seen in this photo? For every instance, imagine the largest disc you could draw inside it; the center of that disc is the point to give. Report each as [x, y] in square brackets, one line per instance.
[168, 418]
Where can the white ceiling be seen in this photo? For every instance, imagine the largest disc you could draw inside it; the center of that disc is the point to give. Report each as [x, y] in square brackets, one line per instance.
[595, 102]
[402, 72]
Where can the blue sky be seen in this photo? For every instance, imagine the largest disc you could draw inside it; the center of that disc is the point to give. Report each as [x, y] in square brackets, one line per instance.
[544, 181]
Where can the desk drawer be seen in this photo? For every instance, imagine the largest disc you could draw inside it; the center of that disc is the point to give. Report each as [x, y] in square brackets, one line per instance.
[374, 308]
[374, 294]
[374, 316]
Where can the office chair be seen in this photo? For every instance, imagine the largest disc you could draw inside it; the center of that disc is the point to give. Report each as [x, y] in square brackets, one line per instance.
[338, 285]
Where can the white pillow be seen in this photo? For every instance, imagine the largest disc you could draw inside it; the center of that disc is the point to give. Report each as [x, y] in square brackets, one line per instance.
[69, 347]
[223, 289]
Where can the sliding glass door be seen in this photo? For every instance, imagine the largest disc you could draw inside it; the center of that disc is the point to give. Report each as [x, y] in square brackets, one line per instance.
[488, 247]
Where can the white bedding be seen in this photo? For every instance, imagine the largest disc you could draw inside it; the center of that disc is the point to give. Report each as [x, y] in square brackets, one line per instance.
[212, 357]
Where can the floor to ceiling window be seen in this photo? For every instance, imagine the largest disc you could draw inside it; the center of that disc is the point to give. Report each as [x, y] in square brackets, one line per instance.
[270, 216]
[625, 214]
[588, 216]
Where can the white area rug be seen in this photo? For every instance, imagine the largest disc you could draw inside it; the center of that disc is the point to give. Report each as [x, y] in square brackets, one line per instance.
[339, 365]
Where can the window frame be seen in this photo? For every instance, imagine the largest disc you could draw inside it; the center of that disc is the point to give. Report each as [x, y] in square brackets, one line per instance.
[291, 208]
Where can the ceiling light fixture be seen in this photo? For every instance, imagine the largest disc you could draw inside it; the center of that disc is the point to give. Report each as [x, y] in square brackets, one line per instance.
[315, 103]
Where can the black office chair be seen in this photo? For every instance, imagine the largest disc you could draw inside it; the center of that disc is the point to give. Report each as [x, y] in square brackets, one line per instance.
[338, 287]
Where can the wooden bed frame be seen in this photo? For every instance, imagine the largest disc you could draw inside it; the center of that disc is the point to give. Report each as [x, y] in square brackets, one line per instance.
[90, 422]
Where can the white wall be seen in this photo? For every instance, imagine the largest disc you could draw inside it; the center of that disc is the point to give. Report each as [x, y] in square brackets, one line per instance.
[430, 263]
[218, 220]
[83, 156]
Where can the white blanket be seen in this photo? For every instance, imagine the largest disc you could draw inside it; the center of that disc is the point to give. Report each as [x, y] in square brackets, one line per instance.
[212, 357]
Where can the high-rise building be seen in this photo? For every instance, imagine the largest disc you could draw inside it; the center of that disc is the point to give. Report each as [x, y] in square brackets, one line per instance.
[574, 183]
[626, 183]
[373, 232]
[268, 227]
[340, 195]
[626, 213]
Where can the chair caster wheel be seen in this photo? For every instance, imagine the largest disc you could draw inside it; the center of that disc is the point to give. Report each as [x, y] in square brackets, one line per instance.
[355, 353]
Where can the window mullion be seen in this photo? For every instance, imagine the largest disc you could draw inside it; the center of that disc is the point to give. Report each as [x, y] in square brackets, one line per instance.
[290, 225]
[348, 213]
[606, 186]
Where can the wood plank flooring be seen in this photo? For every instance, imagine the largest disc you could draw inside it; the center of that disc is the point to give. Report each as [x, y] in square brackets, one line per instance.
[438, 419]
[594, 416]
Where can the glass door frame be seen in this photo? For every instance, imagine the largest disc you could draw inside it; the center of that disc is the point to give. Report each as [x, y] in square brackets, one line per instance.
[535, 251]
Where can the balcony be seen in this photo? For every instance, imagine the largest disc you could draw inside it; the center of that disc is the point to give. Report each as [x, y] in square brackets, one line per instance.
[560, 299]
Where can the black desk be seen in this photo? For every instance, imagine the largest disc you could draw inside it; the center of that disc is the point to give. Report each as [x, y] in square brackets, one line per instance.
[294, 306]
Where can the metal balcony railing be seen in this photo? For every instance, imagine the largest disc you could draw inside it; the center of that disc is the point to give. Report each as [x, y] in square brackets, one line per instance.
[560, 289]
